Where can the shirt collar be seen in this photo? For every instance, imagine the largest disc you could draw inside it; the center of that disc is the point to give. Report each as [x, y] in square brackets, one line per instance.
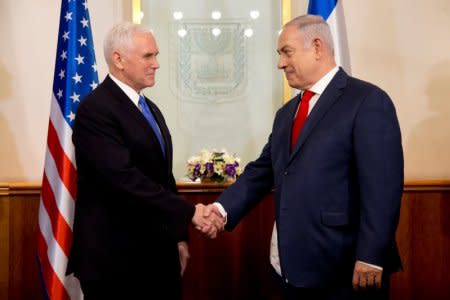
[129, 91]
[323, 82]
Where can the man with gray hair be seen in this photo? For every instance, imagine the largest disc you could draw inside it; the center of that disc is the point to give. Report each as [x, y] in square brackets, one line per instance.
[130, 227]
[335, 161]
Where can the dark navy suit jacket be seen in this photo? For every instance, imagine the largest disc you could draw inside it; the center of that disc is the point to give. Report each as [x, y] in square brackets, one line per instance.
[128, 218]
[338, 193]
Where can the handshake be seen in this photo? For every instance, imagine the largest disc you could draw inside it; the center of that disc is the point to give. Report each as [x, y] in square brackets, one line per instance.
[208, 220]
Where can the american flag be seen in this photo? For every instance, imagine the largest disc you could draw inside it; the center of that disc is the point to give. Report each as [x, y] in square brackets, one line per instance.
[75, 76]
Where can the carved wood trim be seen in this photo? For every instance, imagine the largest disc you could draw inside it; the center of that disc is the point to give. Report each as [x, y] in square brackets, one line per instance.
[33, 188]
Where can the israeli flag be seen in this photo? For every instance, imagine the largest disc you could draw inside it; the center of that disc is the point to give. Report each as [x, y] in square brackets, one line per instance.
[333, 12]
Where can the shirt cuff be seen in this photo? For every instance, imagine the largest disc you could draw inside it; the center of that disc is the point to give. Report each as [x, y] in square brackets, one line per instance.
[221, 210]
[370, 265]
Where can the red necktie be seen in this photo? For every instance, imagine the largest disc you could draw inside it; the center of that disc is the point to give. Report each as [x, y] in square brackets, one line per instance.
[300, 118]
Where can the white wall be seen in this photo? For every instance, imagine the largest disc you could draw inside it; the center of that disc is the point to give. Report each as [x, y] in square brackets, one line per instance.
[403, 46]
[28, 36]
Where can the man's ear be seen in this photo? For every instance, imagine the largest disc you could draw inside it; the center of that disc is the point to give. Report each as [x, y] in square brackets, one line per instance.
[318, 46]
[117, 60]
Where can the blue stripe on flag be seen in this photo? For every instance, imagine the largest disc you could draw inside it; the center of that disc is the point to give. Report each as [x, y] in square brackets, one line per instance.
[322, 8]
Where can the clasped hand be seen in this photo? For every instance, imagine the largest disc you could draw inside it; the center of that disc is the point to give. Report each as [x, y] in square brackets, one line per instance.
[208, 220]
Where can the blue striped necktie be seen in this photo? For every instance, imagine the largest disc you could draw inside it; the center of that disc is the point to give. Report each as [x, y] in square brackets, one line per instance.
[152, 121]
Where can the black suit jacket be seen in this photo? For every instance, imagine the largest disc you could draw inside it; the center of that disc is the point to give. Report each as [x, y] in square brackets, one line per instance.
[338, 192]
[128, 218]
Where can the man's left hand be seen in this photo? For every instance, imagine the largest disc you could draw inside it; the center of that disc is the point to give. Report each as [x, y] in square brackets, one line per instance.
[183, 251]
[366, 277]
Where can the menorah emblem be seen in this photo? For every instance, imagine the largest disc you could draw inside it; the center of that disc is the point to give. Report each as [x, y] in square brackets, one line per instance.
[211, 61]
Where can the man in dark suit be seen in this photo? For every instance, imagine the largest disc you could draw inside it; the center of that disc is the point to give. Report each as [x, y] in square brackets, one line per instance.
[338, 179]
[130, 228]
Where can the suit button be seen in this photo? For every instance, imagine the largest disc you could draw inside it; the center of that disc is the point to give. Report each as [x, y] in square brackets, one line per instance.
[286, 173]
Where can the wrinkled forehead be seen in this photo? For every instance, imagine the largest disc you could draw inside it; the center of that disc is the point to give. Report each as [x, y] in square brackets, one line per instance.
[144, 36]
[144, 39]
[289, 36]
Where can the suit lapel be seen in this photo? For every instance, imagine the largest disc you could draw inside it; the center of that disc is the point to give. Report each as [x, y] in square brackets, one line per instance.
[128, 106]
[330, 95]
[131, 109]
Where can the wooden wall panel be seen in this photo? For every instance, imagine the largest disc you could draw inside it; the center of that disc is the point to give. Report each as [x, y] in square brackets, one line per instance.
[4, 245]
[423, 236]
[18, 222]
[23, 270]
[236, 265]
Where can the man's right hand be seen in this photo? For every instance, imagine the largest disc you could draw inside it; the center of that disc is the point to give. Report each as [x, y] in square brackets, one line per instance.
[208, 220]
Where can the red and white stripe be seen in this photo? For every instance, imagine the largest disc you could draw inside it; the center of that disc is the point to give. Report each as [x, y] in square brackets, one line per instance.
[57, 207]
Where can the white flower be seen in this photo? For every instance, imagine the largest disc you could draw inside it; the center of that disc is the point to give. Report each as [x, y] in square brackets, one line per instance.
[214, 165]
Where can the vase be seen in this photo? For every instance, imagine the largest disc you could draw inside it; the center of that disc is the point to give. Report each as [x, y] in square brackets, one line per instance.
[230, 179]
[207, 180]
[226, 180]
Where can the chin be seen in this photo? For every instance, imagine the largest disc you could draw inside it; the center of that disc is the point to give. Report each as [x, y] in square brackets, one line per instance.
[293, 84]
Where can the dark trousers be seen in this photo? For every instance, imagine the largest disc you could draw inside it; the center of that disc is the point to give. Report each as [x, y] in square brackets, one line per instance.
[335, 292]
[129, 290]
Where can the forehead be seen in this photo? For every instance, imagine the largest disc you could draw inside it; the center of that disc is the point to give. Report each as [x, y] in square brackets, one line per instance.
[290, 36]
[145, 41]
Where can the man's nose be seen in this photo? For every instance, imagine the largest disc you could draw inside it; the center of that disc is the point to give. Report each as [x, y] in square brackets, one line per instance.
[155, 64]
[281, 64]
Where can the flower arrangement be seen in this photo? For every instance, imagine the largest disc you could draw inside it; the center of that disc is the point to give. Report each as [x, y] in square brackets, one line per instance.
[214, 165]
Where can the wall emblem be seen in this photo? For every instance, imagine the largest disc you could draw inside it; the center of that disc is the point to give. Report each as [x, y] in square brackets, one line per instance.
[209, 61]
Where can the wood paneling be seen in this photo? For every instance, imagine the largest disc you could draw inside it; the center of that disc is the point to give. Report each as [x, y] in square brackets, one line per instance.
[423, 237]
[23, 271]
[19, 204]
[236, 264]
[4, 247]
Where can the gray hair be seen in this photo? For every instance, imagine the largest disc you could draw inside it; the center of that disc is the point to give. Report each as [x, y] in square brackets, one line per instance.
[120, 37]
[313, 26]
